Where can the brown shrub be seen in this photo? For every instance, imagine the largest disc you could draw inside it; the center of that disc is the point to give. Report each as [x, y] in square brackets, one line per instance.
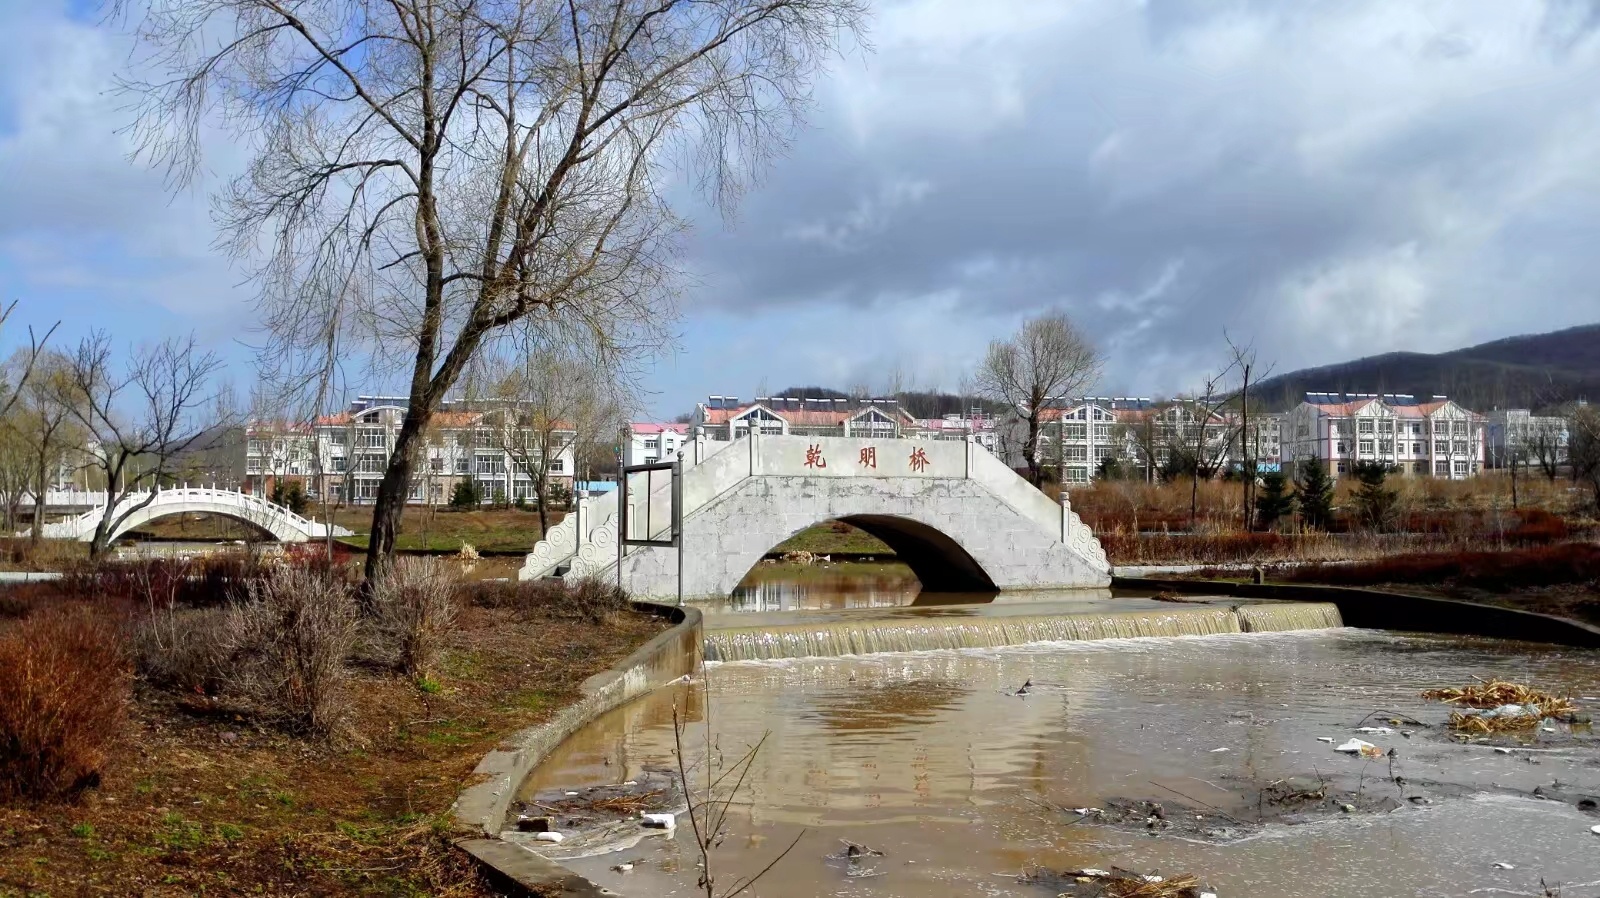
[64, 691]
[186, 650]
[589, 599]
[287, 646]
[414, 607]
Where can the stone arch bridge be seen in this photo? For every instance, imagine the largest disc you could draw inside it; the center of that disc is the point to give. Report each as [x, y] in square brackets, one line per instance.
[959, 517]
[138, 509]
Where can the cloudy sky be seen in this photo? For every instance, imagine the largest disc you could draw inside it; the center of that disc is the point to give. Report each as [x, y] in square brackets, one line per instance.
[1330, 179]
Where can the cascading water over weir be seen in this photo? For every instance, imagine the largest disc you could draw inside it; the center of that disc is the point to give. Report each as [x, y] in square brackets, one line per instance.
[865, 637]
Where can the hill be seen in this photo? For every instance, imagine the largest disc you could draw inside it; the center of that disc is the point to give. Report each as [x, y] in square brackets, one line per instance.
[1530, 371]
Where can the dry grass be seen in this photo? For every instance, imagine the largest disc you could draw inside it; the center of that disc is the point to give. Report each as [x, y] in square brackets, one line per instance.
[1494, 694]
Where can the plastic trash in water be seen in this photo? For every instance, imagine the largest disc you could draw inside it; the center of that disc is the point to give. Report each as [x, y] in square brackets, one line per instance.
[1327, 739]
[1357, 747]
[1374, 731]
[1215, 750]
[1502, 865]
[548, 837]
[659, 821]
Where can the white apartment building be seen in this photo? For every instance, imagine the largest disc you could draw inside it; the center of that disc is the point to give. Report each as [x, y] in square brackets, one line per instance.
[346, 454]
[1435, 438]
[1517, 434]
[648, 444]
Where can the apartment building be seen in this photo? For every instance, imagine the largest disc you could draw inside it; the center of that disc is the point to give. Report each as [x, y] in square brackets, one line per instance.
[1435, 437]
[647, 444]
[726, 418]
[344, 456]
[1518, 435]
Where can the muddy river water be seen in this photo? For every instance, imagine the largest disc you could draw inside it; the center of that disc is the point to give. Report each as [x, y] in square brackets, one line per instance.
[933, 759]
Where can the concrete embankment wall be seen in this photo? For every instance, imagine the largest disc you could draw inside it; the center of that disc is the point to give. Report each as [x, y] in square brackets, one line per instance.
[1372, 609]
[480, 810]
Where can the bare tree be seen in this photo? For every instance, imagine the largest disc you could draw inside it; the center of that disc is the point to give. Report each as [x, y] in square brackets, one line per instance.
[45, 423]
[1244, 361]
[428, 173]
[138, 421]
[541, 401]
[1584, 448]
[1048, 357]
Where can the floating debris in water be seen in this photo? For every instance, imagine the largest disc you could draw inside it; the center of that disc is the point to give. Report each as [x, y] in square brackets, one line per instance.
[1498, 706]
[1116, 883]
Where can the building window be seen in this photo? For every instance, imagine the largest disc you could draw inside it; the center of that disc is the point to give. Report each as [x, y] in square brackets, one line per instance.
[1461, 447]
[1077, 431]
[1461, 428]
[1440, 447]
[1077, 475]
[1102, 431]
[1441, 468]
[1364, 425]
[491, 464]
[1386, 426]
[338, 464]
[372, 439]
[1077, 453]
[1416, 448]
[1344, 467]
[436, 464]
[255, 447]
[367, 489]
[370, 464]
[1386, 447]
[1101, 453]
[558, 466]
[1342, 449]
[1366, 447]
[1461, 469]
[461, 464]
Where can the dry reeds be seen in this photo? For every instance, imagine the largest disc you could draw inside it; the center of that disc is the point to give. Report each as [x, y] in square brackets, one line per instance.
[1116, 883]
[1499, 693]
[414, 606]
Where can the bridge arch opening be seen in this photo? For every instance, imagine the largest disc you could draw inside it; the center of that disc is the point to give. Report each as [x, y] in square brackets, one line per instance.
[198, 526]
[939, 563]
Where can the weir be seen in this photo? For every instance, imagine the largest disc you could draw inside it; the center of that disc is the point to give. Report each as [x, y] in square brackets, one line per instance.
[867, 637]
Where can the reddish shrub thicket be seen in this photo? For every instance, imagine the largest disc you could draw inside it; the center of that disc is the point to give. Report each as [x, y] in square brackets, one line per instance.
[1206, 548]
[1496, 571]
[64, 692]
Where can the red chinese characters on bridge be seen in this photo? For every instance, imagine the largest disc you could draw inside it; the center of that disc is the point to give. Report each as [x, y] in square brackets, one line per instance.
[869, 457]
[814, 457]
[919, 460]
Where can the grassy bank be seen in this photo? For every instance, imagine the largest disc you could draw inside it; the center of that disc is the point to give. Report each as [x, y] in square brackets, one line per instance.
[436, 529]
[834, 537]
[203, 791]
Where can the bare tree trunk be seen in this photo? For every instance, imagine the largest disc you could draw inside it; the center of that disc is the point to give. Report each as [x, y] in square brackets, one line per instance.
[1031, 453]
[390, 504]
[36, 533]
[541, 494]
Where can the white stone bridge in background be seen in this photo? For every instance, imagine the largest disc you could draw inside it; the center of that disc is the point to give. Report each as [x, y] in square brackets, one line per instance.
[961, 519]
[283, 524]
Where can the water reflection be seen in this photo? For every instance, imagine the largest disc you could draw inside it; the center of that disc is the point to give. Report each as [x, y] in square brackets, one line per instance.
[931, 758]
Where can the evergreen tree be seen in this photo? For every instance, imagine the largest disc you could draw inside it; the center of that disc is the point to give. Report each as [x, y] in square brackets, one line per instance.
[1111, 468]
[467, 494]
[1314, 492]
[291, 495]
[1374, 505]
[1274, 501]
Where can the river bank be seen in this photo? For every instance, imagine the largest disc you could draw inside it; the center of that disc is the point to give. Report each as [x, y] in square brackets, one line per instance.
[201, 799]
